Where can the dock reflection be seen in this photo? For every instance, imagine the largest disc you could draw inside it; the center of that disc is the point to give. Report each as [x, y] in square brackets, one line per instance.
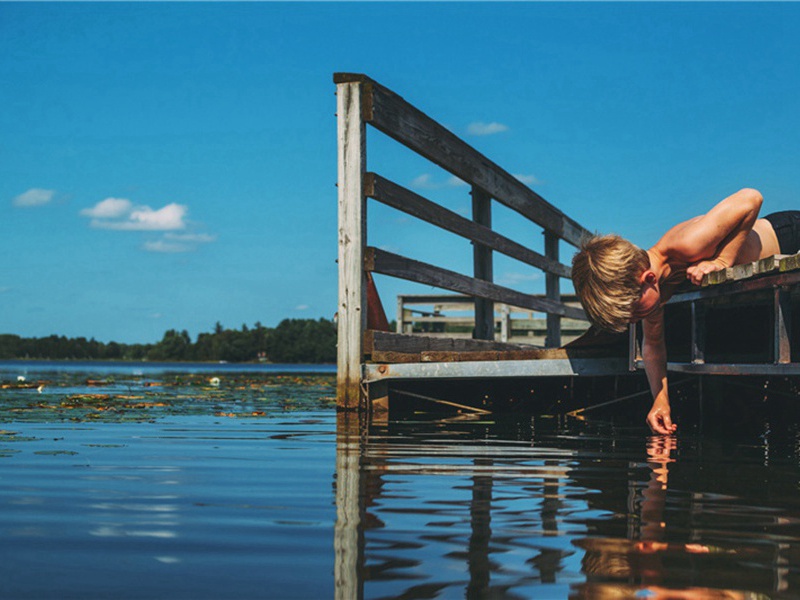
[470, 508]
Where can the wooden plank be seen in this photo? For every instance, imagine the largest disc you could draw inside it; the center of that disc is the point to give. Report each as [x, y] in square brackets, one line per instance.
[770, 264]
[553, 292]
[387, 263]
[393, 358]
[533, 354]
[567, 367]
[742, 369]
[790, 263]
[715, 277]
[738, 287]
[391, 194]
[464, 299]
[744, 271]
[401, 121]
[515, 324]
[482, 266]
[385, 341]
[352, 305]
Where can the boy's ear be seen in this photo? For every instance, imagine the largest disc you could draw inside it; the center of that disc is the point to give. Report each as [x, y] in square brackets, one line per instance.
[649, 277]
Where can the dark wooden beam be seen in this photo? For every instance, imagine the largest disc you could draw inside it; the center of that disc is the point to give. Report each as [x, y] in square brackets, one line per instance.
[387, 263]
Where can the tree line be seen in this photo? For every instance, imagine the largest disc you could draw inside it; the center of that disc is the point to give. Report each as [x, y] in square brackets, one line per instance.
[292, 341]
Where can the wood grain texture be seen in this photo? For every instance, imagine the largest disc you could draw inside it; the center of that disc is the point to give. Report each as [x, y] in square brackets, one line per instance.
[387, 263]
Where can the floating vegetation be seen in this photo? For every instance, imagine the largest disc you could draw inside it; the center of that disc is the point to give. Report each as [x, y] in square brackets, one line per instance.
[80, 397]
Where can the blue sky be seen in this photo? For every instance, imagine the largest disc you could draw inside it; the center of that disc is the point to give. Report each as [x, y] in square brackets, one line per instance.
[174, 165]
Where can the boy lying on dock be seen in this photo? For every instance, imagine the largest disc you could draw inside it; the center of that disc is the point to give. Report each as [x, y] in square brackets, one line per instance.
[619, 283]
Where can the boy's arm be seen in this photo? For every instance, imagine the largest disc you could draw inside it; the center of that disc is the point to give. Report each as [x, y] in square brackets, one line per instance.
[713, 241]
[654, 353]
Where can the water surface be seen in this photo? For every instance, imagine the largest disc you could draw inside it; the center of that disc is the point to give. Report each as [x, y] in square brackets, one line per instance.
[208, 484]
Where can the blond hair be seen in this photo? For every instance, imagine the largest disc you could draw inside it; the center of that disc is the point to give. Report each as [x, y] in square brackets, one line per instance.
[606, 274]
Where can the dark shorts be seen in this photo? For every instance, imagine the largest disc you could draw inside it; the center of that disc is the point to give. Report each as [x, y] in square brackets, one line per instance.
[787, 227]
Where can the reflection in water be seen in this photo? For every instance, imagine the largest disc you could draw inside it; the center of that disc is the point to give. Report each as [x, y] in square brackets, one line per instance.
[483, 507]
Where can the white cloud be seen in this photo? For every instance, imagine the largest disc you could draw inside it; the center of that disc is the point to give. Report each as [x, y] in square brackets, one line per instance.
[167, 247]
[302, 307]
[120, 214]
[456, 182]
[480, 128]
[33, 197]
[424, 181]
[528, 179]
[192, 238]
[172, 243]
[427, 182]
[110, 208]
[144, 218]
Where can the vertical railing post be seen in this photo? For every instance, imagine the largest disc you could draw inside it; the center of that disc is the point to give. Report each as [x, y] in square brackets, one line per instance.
[482, 259]
[552, 291]
[505, 323]
[782, 353]
[698, 333]
[352, 242]
[401, 314]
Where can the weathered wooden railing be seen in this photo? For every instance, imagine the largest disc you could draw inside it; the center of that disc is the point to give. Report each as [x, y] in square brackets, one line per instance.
[361, 102]
[436, 315]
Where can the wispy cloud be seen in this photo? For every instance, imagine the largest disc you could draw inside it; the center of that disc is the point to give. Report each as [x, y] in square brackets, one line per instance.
[424, 181]
[191, 238]
[167, 247]
[481, 128]
[528, 179]
[121, 214]
[427, 182]
[173, 243]
[33, 197]
[302, 307]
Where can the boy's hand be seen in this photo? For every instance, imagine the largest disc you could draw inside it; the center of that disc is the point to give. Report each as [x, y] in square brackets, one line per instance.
[659, 419]
[695, 272]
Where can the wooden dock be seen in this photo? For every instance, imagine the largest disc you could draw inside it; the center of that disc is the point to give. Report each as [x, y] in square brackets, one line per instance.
[739, 322]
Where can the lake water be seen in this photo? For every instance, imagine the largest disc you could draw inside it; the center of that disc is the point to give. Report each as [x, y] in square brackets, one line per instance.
[203, 483]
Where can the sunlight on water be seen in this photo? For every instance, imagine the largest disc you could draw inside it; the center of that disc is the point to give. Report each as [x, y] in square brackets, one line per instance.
[169, 485]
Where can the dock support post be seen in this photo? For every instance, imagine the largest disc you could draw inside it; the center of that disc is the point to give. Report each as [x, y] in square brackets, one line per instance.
[634, 351]
[352, 312]
[698, 334]
[482, 259]
[783, 327]
[378, 392]
[552, 291]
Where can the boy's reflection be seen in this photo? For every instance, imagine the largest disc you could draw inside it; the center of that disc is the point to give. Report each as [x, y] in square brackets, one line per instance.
[639, 562]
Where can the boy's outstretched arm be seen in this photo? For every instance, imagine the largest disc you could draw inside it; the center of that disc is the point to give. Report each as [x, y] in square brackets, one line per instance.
[714, 240]
[654, 353]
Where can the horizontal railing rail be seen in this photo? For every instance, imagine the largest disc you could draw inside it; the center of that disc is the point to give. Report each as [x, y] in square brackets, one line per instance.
[401, 267]
[398, 119]
[402, 199]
